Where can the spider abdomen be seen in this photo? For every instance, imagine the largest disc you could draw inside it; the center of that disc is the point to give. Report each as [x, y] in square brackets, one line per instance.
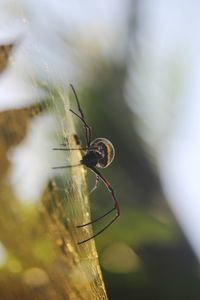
[106, 150]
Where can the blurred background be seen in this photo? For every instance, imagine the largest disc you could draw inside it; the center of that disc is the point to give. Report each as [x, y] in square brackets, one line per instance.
[135, 66]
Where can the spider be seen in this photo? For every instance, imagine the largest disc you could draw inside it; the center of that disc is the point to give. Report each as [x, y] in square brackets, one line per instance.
[99, 153]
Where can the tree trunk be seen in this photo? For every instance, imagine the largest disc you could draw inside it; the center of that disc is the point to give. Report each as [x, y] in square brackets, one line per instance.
[39, 254]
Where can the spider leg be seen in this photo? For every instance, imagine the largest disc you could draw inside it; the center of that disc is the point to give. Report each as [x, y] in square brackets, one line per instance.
[99, 232]
[65, 167]
[82, 118]
[96, 184]
[97, 219]
[109, 187]
[88, 129]
[69, 149]
[116, 207]
[77, 101]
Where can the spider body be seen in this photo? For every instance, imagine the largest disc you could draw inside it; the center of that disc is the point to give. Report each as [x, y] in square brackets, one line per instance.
[99, 154]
